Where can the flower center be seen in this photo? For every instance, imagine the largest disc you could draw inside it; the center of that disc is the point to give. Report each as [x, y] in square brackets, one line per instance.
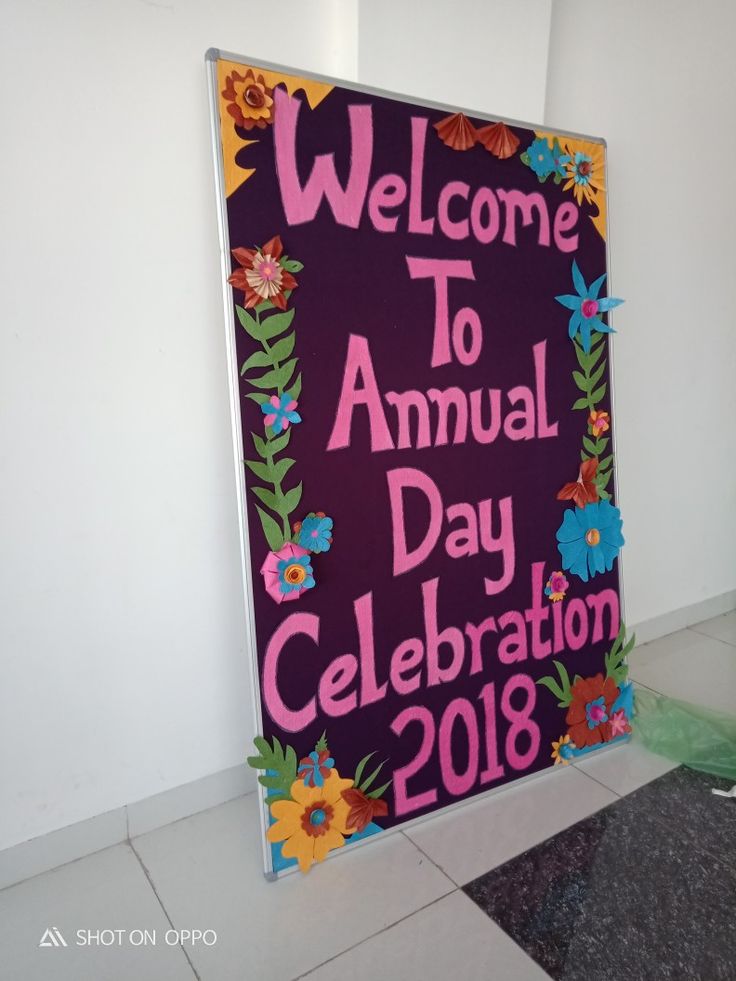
[592, 536]
[317, 817]
[584, 168]
[254, 96]
[267, 270]
[295, 574]
[596, 713]
[589, 308]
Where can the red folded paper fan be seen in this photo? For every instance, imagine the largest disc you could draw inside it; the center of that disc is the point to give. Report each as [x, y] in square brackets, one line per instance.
[456, 131]
[499, 140]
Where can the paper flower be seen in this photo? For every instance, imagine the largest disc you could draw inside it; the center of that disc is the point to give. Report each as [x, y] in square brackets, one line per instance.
[586, 307]
[562, 750]
[287, 573]
[585, 172]
[499, 140]
[280, 412]
[589, 539]
[456, 131]
[599, 423]
[584, 490]
[251, 100]
[315, 532]
[313, 823]
[557, 586]
[619, 724]
[625, 700]
[363, 808]
[540, 156]
[315, 768]
[590, 709]
[262, 275]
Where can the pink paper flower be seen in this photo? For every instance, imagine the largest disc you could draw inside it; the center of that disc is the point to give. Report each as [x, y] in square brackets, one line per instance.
[287, 573]
[619, 724]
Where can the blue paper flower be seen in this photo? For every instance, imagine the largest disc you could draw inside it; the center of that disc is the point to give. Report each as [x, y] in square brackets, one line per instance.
[595, 712]
[586, 307]
[589, 539]
[279, 411]
[315, 768]
[295, 574]
[540, 157]
[315, 533]
[625, 701]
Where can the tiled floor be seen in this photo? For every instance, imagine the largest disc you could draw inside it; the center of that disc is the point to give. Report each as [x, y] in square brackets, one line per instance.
[558, 877]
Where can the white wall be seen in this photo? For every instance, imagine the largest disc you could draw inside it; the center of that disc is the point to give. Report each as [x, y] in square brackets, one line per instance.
[122, 643]
[658, 80]
[124, 670]
[489, 55]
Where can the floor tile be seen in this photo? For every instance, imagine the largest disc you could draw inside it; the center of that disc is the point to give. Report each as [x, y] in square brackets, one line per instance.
[626, 768]
[207, 871]
[106, 891]
[485, 833]
[683, 800]
[432, 945]
[722, 628]
[688, 666]
[614, 897]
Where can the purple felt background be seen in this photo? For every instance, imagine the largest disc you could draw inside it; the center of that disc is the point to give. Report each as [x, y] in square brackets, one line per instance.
[356, 281]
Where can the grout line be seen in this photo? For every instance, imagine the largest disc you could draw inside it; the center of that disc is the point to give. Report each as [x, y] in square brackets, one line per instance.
[600, 784]
[377, 933]
[431, 860]
[165, 911]
[701, 633]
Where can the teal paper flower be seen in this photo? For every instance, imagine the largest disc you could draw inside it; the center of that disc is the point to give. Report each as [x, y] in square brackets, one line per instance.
[540, 156]
[280, 412]
[295, 574]
[315, 533]
[589, 539]
[586, 307]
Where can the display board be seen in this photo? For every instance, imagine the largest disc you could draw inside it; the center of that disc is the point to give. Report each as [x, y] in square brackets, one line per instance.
[419, 333]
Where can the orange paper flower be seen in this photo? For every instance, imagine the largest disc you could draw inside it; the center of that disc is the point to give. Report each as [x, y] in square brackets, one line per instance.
[251, 100]
[456, 131]
[599, 422]
[499, 140]
[363, 808]
[262, 275]
[583, 491]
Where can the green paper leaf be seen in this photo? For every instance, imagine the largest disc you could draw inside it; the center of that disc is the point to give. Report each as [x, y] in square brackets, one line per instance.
[603, 494]
[285, 372]
[260, 445]
[258, 360]
[281, 767]
[292, 265]
[590, 446]
[549, 682]
[375, 794]
[272, 379]
[602, 480]
[292, 498]
[282, 349]
[276, 324]
[595, 353]
[583, 456]
[605, 462]
[261, 470]
[296, 389]
[524, 157]
[321, 744]
[282, 467]
[600, 445]
[258, 397]
[249, 322]
[268, 497]
[597, 374]
[598, 394]
[580, 380]
[271, 529]
[369, 779]
[278, 443]
[360, 767]
[580, 404]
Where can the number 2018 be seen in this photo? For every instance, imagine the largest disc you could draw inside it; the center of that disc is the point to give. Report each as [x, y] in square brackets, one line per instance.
[462, 711]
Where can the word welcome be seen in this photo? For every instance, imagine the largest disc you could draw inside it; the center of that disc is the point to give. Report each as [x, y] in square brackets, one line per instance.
[480, 213]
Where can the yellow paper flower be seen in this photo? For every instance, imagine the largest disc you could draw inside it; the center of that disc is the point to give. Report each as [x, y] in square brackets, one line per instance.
[584, 168]
[313, 822]
[561, 750]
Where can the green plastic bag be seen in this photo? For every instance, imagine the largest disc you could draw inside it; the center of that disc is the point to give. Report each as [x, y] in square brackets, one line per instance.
[698, 737]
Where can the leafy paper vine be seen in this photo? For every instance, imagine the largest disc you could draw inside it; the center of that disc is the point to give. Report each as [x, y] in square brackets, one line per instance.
[312, 808]
[589, 537]
[266, 277]
[599, 709]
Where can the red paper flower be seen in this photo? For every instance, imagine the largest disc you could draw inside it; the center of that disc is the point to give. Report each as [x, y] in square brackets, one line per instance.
[583, 491]
[362, 808]
[456, 131]
[262, 276]
[590, 710]
[251, 100]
